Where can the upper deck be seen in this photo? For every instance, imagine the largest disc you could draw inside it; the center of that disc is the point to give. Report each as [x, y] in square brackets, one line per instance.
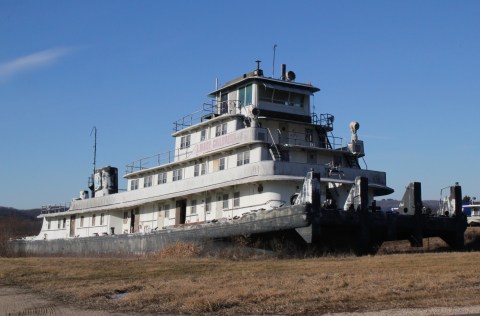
[248, 101]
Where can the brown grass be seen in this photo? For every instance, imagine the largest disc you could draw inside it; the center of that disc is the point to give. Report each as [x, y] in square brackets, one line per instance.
[189, 285]
[188, 279]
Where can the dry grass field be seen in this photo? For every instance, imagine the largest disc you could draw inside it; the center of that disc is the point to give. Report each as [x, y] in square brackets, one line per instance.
[179, 280]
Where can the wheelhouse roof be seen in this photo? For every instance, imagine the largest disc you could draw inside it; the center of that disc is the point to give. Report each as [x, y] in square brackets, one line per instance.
[268, 82]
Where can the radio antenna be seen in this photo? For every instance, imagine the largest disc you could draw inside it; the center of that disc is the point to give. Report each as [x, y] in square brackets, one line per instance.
[273, 70]
[94, 132]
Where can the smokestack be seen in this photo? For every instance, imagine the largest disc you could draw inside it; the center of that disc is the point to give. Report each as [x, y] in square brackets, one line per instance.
[284, 72]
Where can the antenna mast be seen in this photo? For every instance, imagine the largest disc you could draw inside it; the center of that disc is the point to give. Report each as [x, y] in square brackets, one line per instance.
[92, 186]
[273, 70]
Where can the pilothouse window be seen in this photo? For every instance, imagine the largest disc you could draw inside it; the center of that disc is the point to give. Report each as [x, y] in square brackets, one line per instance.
[245, 96]
[281, 97]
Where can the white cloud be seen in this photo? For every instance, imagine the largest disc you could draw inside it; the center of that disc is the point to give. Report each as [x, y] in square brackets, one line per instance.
[32, 61]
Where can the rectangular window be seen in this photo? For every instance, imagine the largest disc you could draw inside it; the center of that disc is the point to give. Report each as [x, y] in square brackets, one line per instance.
[221, 129]
[81, 221]
[296, 100]
[222, 164]
[225, 201]
[245, 96]
[224, 103]
[64, 222]
[93, 219]
[49, 225]
[236, 199]
[196, 170]
[147, 181]
[203, 135]
[134, 184]
[102, 219]
[243, 158]
[58, 223]
[203, 168]
[177, 175]
[125, 217]
[185, 142]
[193, 210]
[162, 178]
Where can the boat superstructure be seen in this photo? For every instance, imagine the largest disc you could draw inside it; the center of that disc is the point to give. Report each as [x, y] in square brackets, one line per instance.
[247, 150]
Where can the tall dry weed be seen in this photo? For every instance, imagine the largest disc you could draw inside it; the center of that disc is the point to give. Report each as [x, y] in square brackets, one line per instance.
[179, 250]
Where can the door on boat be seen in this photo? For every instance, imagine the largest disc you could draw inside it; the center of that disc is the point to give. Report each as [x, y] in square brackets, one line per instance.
[181, 212]
[134, 220]
[72, 226]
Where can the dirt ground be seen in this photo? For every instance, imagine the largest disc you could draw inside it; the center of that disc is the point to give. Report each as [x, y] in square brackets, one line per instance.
[15, 301]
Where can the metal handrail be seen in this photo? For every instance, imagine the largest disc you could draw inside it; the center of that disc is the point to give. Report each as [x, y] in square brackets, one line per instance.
[212, 108]
[55, 208]
[273, 142]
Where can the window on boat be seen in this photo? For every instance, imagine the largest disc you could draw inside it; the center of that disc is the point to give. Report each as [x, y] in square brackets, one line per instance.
[281, 97]
[225, 201]
[64, 222]
[222, 164]
[177, 175]
[125, 217]
[58, 223]
[134, 184]
[203, 135]
[162, 178]
[166, 209]
[200, 169]
[147, 181]
[243, 158]
[236, 199]
[82, 218]
[224, 103]
[196, 170]
[102, 219]
[221, 129]
[245, 96]
[185, 142]
[93, 219]
[193, 209]
[49, 225]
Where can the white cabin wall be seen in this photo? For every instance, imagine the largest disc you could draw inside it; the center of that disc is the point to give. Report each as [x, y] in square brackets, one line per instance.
[53, 232]
[115, 220]
[148, 217]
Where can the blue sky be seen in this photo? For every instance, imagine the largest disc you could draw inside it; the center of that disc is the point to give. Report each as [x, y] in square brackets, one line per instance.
[408, 71]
